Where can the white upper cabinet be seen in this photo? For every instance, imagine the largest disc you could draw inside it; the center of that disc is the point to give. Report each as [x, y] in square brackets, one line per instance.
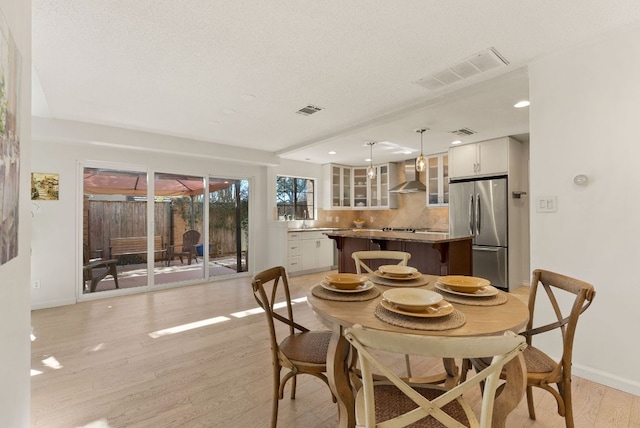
[360, 188]
[486, 158]
[337, 187]
[350, 188]
[438, 180]
[386, 178]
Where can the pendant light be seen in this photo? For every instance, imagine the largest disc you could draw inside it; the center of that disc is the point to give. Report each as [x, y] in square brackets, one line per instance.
[371, 171]
[421, 161]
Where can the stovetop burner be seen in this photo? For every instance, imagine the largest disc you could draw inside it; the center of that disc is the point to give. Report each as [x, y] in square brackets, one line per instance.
[398, 229]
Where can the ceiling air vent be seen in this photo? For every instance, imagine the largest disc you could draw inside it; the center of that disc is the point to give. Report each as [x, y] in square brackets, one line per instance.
[464, 132]
[309, 110]
[477, 63]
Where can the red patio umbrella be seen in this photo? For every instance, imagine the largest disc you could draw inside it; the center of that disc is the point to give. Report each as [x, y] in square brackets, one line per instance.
[109, 182]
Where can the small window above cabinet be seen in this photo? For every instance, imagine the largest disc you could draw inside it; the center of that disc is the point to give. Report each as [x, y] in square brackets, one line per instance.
[438, 180]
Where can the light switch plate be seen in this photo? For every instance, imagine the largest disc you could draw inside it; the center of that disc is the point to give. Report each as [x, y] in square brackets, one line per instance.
[547, 204]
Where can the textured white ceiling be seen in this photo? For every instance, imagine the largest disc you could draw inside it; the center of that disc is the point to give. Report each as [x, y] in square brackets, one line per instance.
[185, 68]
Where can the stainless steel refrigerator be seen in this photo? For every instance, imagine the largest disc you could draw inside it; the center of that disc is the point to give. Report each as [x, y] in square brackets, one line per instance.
[479, 208]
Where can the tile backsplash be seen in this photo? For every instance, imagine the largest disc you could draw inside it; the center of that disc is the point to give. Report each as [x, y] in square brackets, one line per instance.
[411, 212]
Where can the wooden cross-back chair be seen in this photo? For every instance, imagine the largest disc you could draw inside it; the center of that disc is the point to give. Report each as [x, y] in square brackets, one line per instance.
[363, 260]
[360, 256]
[394, 403]
[299, 351]
[542, 370]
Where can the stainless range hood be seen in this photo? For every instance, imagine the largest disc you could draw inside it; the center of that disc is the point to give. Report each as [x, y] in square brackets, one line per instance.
[411, 183]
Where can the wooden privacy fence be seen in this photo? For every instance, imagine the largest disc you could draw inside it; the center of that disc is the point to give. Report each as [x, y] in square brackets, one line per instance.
[114, 219]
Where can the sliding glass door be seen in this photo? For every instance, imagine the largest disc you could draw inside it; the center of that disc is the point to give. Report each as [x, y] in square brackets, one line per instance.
[179, 201]
[178, 241]
[228, 226]
[114, 231]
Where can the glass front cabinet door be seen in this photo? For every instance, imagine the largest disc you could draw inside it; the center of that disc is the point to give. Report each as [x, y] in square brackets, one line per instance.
[350, 188]
[385, 180]
[438, 180]
[340, 186]
[360, 188]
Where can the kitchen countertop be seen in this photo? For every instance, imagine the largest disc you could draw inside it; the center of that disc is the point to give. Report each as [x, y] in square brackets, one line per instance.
[428, 237]
[315, 229]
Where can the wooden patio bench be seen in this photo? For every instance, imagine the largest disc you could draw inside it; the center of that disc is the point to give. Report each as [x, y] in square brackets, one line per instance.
[131, 245]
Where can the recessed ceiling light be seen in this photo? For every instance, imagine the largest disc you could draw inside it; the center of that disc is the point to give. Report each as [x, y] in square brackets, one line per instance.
[332, 152]
[368, 160]
[520, 104]
[456, 142]
[407, 152]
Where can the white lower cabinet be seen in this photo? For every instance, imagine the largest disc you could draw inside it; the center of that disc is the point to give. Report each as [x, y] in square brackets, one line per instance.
[309, 251]
[293, 252]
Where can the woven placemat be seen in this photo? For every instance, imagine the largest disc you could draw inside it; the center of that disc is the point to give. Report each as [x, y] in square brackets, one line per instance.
[418, 282]
[454, 320]
[498, 299]
[322, 293]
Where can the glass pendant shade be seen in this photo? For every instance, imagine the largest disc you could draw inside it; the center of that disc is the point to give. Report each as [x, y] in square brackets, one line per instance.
[371, 171]
[421, 161]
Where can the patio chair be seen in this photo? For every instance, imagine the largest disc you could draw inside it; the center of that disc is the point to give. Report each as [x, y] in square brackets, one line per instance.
[95, 270]
[190, 240]
[385, 399]
[295, 349]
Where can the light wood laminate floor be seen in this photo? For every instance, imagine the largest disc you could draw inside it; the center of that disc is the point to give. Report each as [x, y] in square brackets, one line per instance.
[100, 364]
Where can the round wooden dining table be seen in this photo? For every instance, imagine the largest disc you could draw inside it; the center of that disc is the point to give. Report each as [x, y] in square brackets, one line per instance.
[480, 321]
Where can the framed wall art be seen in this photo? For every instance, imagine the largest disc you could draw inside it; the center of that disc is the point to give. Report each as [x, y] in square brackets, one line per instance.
[44, 186]
[9, 143]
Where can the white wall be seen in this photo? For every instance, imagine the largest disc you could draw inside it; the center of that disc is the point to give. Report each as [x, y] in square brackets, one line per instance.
[14, 275]
[58, 147]
[584, 119]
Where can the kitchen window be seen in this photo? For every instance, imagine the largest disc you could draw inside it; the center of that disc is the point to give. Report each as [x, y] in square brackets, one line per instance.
[295, 198]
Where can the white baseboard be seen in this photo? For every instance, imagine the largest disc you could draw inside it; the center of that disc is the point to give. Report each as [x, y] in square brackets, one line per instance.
[53, 304]
[607, 379]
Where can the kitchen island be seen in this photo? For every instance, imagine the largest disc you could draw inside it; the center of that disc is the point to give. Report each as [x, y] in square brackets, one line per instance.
[431, 253]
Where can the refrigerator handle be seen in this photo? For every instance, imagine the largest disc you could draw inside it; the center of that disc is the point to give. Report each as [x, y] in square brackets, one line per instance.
[471, 216]
[478, 215]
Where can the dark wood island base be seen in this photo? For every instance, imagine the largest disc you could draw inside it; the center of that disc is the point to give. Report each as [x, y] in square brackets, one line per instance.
[434, 254]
